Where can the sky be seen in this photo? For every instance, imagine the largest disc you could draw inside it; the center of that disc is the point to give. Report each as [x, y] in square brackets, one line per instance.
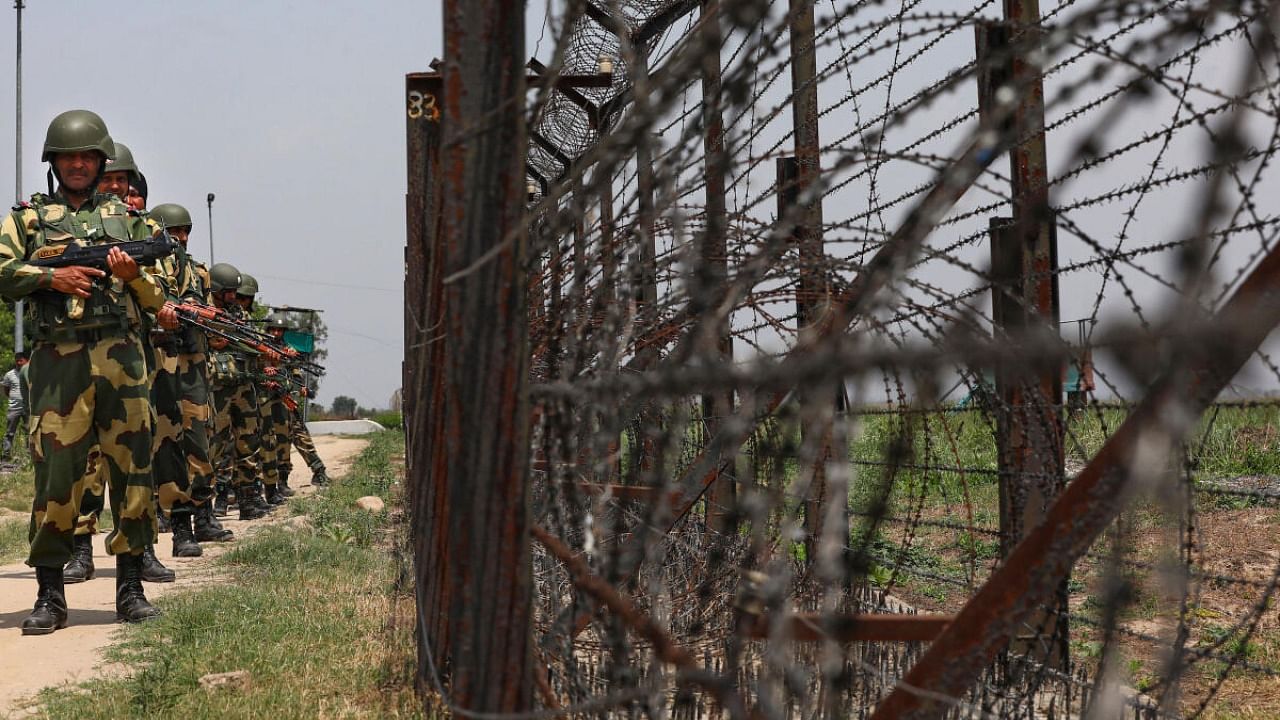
[290, 112]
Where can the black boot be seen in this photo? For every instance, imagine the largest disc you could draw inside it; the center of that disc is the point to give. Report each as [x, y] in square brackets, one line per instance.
[318, 476]
[258, 498]
[50, 612]
[283, 485]
[184, 540]
[80, 567]
[131, 602]
[208, 529]
[248, 510]
[274, 496]
[152, 570]
[220, 501]
[162, 522]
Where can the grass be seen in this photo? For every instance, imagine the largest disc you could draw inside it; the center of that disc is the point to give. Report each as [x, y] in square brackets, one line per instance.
[17, 488]
[312, 614]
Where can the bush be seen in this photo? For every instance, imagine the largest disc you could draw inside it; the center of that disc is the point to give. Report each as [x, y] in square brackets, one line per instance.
[391, 420]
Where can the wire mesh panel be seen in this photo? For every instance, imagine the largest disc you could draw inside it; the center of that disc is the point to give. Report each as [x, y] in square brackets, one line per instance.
[903, 359]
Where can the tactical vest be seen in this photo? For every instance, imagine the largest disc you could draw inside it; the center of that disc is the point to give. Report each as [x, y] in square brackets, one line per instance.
[223, 369]
[110, 309]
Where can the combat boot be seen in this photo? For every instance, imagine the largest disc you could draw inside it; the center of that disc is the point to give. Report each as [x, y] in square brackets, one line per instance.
[220, 501]
[184, 540]
[258, 498]
[131, 602]
[283, 485]
[274, 496]
[80, 567]
[50, 612]
[319, 477]
[248, 510]
[162, 522]
[153, 570]
[207, 527]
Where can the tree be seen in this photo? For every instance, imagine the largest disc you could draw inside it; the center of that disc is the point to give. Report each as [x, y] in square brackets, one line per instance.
[344, 406]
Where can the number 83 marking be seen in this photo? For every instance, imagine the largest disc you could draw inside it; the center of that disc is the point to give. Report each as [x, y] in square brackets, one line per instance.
[423, 105]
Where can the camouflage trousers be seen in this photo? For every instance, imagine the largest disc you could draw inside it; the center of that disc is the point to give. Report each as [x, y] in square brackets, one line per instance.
[222, 442]
[280, 431]
[181, 465]
[94, 500]
[90, 416]
[301, 438]
[269, 447]
[246, 427]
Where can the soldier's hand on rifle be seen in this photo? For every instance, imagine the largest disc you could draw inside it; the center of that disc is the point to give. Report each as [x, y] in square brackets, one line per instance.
[75, 280]
[168, 316]
[122, 265]
[269, 370]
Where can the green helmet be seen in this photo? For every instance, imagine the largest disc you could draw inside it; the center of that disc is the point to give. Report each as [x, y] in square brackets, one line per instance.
[223, 276]
[248, 285]
[123, 162]
[76, 131]
[276, 320]
[171, 215]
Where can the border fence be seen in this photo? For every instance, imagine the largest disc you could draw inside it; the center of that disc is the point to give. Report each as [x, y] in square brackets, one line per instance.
[881, 359]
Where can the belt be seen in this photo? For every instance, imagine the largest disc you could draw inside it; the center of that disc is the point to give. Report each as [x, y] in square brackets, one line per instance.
[92, 335]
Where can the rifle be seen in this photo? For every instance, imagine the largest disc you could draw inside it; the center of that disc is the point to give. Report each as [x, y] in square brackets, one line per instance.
[241, 341]
[144, 252]
[221, 323]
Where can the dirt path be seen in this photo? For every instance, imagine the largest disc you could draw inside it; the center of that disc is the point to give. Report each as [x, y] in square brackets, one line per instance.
[74, 653]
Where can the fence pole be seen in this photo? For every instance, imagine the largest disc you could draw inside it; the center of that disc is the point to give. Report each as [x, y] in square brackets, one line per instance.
[1029, 419]
[714, 255]
[487, 409]
[812, 287]
[423, 357]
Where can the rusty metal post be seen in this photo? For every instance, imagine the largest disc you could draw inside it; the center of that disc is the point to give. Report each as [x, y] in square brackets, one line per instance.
[812, 288]
[423, 357]
[646, 285]
[714, 254]
[645, 278]
[487, 410]
[1024, 275]
[609, 255]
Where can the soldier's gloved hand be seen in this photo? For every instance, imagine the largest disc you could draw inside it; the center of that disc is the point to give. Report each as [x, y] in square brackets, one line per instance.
[75, 280]
[122, 265]
[269, 370]
[168, 316]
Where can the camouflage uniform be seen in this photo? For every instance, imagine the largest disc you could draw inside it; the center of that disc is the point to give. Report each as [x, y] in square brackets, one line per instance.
[89, 404]
[184, 475]
[300, 437]
[246, 419]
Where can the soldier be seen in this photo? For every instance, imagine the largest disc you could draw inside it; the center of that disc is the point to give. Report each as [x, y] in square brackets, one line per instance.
[242, 408]
[297, 431]
[120, 175]
[277, 386]
[268, 467]
[88, 374]
[184, 475]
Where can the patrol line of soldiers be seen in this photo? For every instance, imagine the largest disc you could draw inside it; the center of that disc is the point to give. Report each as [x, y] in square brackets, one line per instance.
[126, 401]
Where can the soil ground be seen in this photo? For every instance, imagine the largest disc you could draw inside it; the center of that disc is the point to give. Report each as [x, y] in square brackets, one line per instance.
[74, 654]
